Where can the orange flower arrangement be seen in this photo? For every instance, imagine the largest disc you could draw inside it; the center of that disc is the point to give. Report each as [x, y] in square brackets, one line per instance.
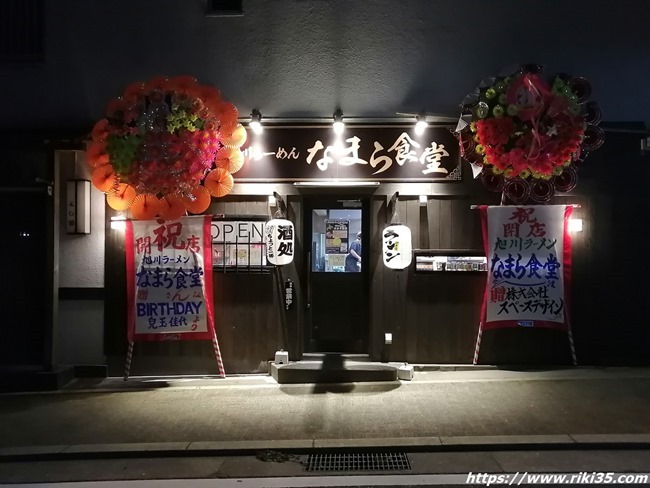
[162, 146]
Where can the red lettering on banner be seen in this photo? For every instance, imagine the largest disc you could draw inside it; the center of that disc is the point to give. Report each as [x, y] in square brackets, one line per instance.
[169, 234]
[498, 294]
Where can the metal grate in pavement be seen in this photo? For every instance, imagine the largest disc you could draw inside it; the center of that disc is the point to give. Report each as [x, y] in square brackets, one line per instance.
[371, 461]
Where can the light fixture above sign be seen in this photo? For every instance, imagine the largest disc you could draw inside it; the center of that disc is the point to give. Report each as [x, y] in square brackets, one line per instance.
[77, 210]
[256, 122]
[338, 124]
[421, 124]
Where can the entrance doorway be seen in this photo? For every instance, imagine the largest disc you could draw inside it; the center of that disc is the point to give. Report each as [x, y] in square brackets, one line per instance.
[337, 282]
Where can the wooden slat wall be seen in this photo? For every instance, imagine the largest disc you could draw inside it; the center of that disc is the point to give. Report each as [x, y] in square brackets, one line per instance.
[433, 317]
[247, 315]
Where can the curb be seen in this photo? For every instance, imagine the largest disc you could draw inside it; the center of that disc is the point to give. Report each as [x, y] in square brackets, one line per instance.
[408, 444]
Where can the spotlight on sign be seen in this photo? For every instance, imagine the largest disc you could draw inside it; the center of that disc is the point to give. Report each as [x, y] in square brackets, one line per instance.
[396, 246]
[421, 124]
[256, 122]
[279, 241]
[338, 124]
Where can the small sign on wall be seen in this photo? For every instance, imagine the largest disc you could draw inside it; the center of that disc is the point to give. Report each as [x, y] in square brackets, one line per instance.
[288, 295]
[77, 207]
[396, 246]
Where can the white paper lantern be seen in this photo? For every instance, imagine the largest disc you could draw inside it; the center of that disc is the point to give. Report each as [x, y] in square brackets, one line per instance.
[396, 246]
[279, 241]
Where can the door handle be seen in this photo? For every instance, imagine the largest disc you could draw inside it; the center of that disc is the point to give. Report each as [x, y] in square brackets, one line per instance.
[309, 279]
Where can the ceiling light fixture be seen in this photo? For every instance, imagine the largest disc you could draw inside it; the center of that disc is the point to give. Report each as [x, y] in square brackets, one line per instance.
[338, 124]
[421, 123]
[256, 122]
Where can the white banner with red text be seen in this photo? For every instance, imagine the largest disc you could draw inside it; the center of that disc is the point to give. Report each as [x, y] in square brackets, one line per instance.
[169, 279]
[528, 249]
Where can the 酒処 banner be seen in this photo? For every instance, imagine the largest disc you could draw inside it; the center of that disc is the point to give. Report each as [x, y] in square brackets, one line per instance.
[169, 279]
[528, 249]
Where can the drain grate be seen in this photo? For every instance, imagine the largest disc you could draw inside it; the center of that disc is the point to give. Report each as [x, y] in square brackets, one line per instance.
[371, 461]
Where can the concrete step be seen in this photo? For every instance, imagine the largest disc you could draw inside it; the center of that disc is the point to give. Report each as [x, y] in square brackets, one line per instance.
[321, 356]
[332, 371]
[16, 380]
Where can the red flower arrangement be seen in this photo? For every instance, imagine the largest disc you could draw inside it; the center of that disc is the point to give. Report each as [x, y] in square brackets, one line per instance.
[526, 134]
[159, 142]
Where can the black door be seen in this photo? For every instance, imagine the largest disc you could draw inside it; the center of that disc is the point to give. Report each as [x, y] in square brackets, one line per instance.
[337, 282]
[23, 287]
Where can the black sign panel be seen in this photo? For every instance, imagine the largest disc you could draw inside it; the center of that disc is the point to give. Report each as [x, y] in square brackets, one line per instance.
[288, 294]
[374, 153]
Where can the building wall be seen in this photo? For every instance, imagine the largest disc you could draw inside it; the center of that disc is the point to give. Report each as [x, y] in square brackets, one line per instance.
[81, 272]
[304, 58]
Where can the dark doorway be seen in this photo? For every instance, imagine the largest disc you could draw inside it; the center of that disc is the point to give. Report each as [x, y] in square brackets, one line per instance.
[24, 288]
[337, 283]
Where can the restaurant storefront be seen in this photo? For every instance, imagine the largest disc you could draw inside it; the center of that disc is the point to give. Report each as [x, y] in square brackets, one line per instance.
[332, 189]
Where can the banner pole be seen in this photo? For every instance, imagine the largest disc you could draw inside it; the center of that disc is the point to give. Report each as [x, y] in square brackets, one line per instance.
[127, 365]
[478, 343]
[574, 358]
[217, 353]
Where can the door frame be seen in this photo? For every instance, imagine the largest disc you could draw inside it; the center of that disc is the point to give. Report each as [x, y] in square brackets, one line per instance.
[336, 201]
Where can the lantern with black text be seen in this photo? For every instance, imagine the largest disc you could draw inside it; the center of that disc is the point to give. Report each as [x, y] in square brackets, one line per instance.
[279, 241]
[396, 246]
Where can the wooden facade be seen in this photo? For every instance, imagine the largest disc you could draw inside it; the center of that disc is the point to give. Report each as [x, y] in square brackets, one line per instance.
[433, 317]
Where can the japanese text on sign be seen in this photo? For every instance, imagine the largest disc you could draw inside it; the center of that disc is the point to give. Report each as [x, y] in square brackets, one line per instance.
[525, 270]
[169, 277]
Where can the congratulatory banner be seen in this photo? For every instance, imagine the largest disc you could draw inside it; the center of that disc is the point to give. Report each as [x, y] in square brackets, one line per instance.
[169, 277]
[529, 266]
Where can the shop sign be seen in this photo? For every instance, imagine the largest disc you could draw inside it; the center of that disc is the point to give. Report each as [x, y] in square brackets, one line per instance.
[396, 246]
[375, 153]
[238, 243]
[279, 241]
[288, 294]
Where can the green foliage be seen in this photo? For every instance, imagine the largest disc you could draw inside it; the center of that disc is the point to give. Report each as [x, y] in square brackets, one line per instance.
[122, 151]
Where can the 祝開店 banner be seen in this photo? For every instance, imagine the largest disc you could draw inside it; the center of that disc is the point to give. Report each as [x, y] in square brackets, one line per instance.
[169, 279]
[529, 266]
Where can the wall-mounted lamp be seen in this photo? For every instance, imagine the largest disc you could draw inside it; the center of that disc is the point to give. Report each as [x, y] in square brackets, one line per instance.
[256, 122]
[421, 124]
[272, 201]
[338, 124]
[423, 200]
[77, 211]
[118, 222]
[575, 225]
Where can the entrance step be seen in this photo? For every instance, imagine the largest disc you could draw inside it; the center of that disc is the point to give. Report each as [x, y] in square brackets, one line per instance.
[320, 356]
[332, 368]
[27, 379]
